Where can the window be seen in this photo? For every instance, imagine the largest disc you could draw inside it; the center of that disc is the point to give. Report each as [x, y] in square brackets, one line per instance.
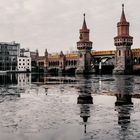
[119, 52]
[135, 60]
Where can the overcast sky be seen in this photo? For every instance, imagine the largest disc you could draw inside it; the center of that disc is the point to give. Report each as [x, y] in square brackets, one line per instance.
[55, 24]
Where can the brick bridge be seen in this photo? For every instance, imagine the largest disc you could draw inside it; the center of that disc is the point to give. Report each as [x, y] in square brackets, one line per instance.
[122, 60]
[67, 63]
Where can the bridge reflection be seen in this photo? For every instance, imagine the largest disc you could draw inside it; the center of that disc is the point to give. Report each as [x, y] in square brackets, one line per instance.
[85, 100]
[124, 104]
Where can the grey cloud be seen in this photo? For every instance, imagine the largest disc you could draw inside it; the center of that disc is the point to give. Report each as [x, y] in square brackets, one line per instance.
[55, 24]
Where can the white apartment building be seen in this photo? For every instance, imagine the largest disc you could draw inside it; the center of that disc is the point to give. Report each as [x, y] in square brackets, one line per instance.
[24, 61]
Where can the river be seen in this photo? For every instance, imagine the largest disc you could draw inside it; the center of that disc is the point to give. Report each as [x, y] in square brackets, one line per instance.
[94, 107]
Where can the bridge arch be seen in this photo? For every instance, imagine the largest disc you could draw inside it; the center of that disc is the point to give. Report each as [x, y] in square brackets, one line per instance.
[53, 70]
[70, 70]
[107, 64]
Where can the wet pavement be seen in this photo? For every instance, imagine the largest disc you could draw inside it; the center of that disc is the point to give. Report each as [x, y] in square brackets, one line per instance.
[80, 108]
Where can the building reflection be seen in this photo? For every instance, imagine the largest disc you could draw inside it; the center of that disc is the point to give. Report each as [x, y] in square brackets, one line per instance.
[37, 78]
[8, 79]
[24, 80]
[8, 87]
[84, 100]
[11, 85]
[124, 103]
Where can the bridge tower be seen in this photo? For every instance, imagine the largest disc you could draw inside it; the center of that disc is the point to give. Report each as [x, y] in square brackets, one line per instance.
[123, 42]
[84, 47]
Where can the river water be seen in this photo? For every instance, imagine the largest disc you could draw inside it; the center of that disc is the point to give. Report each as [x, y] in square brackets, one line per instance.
[91, 107]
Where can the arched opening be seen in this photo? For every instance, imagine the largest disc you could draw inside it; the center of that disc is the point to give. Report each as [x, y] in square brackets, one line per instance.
[135, 60]
[119, 52]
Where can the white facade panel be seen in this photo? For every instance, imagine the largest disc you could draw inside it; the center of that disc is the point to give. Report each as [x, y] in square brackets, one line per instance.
[24, 63]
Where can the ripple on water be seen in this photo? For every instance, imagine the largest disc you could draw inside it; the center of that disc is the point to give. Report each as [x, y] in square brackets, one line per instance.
[52, 112]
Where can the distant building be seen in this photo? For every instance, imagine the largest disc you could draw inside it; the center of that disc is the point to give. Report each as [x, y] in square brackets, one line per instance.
[34, 56]
[42, 61]
[24, 61]
[8, 56]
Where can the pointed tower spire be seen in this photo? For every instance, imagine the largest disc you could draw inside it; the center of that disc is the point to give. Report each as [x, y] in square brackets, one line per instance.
[123, 19]
[84, 45]
[84, 31]
[84, 22]
[123, 42]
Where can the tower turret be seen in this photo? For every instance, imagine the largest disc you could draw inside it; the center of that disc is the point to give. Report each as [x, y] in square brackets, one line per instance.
[123, 37]
[84, 42]
[84, 46]
[123, 42]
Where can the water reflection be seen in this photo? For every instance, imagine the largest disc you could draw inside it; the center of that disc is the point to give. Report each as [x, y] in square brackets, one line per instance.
[24, 80]
[8, 79]
[37, 78]
[8, 90]
[84, 100]
[124, 104]
[64, 99]
[11, 85]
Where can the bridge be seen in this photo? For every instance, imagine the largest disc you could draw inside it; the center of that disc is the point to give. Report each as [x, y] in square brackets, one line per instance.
[68, 63]
[103, 61]
[122, 60]
[63, 63]
[56, 63]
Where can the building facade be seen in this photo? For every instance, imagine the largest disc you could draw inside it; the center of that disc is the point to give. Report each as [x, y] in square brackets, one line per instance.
[8, 56]
[24, 61]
